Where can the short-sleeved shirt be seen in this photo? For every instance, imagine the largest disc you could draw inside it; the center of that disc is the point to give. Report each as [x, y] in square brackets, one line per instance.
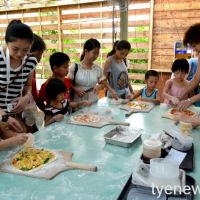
[193, 62]
[152, 96]
[118, 76]
[52, 111]
[18, 78]
[86, 79]
[42, 93]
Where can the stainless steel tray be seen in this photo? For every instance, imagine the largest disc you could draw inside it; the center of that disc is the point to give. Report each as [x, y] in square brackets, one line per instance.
[123, 138]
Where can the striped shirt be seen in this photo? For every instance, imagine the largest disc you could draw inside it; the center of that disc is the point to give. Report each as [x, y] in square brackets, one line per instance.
[13, 89]
[52, 111]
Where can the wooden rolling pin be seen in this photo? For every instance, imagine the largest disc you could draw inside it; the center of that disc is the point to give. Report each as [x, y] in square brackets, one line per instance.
[86, 167]
[120, 123]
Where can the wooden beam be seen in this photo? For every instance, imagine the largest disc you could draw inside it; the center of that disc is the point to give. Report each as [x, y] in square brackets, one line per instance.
[59, 29]
[150, 33]
[136, 76]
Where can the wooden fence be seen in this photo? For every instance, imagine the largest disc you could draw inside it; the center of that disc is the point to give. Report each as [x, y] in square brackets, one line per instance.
[171, 18]
[66, 27]
[154, 26]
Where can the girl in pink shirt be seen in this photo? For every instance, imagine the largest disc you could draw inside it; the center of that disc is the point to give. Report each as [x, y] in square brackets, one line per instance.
[176, 87]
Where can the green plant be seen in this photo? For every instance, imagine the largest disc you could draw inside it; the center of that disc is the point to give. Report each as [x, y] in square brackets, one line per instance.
[138, 39]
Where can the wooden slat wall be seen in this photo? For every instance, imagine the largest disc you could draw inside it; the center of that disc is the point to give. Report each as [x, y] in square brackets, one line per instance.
[171, 20]
[65, 28]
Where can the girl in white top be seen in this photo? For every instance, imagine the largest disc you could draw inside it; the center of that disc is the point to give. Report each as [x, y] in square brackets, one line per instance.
[86, 76]
[15, 75]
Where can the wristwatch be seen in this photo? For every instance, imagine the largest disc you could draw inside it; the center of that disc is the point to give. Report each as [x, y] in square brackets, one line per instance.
[189, 100]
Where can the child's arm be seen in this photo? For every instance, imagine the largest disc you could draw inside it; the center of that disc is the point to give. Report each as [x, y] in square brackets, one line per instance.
[49, 119]
[106, 83]
[79, 104]
[165, 94]
[98, 87]
[130, 88]
[13, 141]
[106, 68]
[110, 89]
[137, 94]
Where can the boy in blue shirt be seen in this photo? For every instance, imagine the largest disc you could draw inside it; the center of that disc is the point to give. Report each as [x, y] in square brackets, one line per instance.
[149, 93]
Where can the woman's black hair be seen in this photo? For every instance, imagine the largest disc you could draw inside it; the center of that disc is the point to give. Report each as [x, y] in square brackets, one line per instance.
[90, 45]
[54, 88]
[191, 36]
[120, 45]
[18, 30]
[38, 44]
[57, 59]
[180, 65]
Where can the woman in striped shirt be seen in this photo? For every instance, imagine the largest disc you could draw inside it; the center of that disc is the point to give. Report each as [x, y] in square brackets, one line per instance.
[16, 69]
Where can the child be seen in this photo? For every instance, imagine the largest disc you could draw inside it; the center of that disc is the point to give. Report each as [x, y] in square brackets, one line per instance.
[115, 70]
[87, 77]
[58, 105]
[150, 93]
[174, 88]
[37, 49]
[59, 63]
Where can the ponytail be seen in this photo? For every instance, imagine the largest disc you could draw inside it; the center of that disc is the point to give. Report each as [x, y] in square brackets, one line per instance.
[119, 45]
[113, 51]
[82, 56]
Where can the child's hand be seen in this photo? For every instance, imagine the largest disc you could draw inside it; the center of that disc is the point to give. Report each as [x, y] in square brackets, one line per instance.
[175, 100]
[184, 104]
[114, 94]
[96, 89]
[19, 139]
[86, 103]
[80, 92]
[58, 118]
[130, 97]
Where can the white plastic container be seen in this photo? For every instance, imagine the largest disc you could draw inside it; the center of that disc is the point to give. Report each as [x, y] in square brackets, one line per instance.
[164, 168]
[151, 148]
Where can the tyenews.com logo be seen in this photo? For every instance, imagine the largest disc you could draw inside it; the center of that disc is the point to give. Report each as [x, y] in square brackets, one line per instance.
[175, 190]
